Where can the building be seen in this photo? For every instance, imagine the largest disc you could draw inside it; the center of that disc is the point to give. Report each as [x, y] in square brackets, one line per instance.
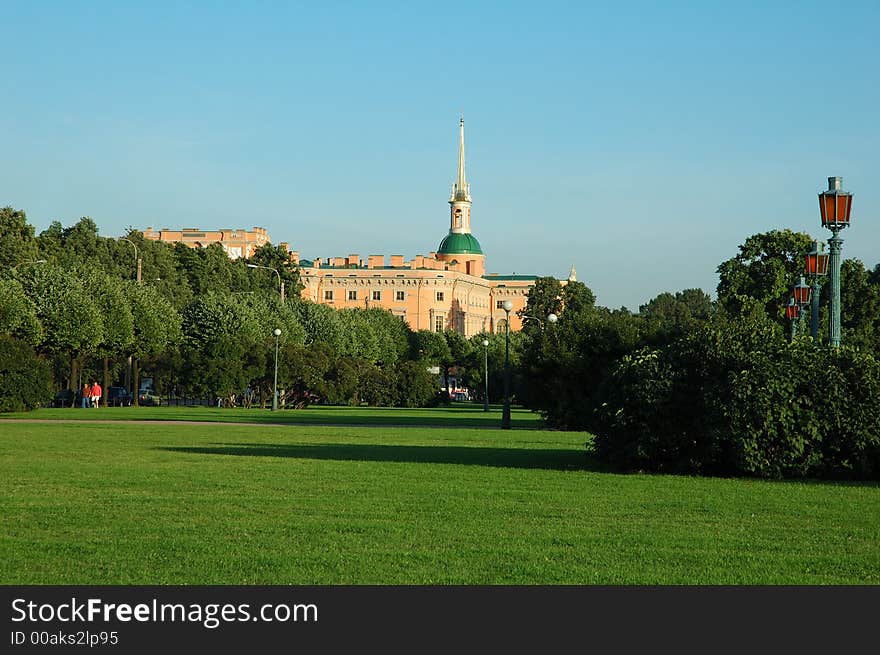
[236, 243]
[448, 289]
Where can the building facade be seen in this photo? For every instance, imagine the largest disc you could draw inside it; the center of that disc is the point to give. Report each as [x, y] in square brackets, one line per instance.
[448, 289]
[236, 243]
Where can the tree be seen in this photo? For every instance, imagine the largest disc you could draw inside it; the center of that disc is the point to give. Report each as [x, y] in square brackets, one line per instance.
[766, 267]
[860, 305]
[577, 297]
[18, 315]
[72, 324]
[277, 258]
[668, 316]
[544, 298]
[157, 325]
[17, 242]
[110, 297]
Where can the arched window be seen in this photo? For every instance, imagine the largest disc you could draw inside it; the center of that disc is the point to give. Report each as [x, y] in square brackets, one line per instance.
[500, 326]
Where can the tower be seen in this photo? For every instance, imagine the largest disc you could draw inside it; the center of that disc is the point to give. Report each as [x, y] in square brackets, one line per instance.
[460, 248]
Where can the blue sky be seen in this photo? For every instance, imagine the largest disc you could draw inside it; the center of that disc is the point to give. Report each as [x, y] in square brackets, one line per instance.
[642, 142]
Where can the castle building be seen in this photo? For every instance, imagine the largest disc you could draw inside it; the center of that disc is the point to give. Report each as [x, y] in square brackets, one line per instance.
[448, 289]
[236, 243]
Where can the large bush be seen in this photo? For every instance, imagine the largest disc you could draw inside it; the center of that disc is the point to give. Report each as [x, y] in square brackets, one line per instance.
[25, 379]
[737, 398]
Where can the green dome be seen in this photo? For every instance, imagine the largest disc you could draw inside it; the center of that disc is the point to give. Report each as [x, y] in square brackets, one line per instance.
[459, 244]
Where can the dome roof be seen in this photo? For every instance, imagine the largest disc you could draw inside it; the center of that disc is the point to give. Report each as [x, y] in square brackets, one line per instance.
[459, 244]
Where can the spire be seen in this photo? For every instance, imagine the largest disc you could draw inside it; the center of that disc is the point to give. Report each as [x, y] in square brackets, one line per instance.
[460, 190]
[572, 274]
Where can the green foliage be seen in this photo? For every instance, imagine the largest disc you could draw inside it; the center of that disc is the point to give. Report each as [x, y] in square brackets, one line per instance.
[24, 377]
[416, 387]
[72, 323]
[765, 268]
[737, 398]
[17, 243]
[18, 315]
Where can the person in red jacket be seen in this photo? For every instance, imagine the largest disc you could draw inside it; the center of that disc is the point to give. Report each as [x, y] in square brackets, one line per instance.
[96, 394]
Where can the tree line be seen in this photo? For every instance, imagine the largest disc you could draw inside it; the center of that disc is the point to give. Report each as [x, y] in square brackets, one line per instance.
[200, 325]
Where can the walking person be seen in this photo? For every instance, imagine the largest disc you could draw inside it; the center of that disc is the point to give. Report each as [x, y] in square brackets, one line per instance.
[86, 395]
[96, 394]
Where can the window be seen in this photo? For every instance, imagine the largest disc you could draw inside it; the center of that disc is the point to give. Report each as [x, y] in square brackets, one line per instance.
[500, 326]
[399, 295]
[328, 295]
[499, 304]
[377, 295]
[352, 295]
[439, 296]
[438, 324]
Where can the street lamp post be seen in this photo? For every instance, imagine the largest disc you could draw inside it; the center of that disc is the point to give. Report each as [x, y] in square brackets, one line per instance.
[505, 412]
[817, 266]
[137, 259]
[792, 313]
[277, 333]
[801, 294]
[835, 206]
[280, 283]
[485, 375]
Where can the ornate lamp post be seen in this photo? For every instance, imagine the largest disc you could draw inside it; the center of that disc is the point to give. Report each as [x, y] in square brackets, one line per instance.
[485, 375]
[277, 333]
[505, 412]
[801, 294]
[792, 313]
[816, 263]
[835, 206]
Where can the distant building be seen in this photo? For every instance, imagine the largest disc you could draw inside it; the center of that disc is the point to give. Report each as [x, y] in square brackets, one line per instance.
[445, 290]
[236, 243]
[448, 289]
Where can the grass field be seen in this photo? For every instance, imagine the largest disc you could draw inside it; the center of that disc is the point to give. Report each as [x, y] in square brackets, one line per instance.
[438, 501]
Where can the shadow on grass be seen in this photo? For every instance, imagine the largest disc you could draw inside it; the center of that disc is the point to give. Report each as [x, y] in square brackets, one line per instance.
[550, 459]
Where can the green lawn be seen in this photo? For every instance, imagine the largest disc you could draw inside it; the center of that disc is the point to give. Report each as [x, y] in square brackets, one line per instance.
[163, 503]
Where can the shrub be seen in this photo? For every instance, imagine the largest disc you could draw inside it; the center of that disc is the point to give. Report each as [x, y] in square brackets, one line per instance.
[25, 379]
[739, 399]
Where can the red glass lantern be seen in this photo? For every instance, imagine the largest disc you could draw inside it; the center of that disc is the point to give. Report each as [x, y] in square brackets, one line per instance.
[801, 293]
[835, 205]
[792, 310]
[816, 261]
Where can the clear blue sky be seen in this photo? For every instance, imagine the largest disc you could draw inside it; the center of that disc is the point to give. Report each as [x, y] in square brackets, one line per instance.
[641, 141]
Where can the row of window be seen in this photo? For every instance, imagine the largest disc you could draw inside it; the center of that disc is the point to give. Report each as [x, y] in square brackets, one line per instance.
[399, 296]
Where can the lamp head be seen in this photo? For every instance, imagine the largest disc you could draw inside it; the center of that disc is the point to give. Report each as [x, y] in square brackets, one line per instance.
[277, 332]
[552, 318]
[486, 342]
[507, 305]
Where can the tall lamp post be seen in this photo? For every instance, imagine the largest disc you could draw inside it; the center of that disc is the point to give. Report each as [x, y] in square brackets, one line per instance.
[280, 283]
[505, 412]
[485, 375]
[835, 206]
[277, 333]
[816, 263]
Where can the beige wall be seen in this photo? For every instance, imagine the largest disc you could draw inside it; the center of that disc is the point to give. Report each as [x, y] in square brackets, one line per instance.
[236, 243]
[426, 298]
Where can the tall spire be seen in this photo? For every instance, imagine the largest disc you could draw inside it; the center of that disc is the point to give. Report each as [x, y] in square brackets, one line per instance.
[460, 190]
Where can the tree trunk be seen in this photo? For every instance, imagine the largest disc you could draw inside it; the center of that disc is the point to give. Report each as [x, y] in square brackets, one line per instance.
[106, 382]
[136, 374]
[74, 379]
